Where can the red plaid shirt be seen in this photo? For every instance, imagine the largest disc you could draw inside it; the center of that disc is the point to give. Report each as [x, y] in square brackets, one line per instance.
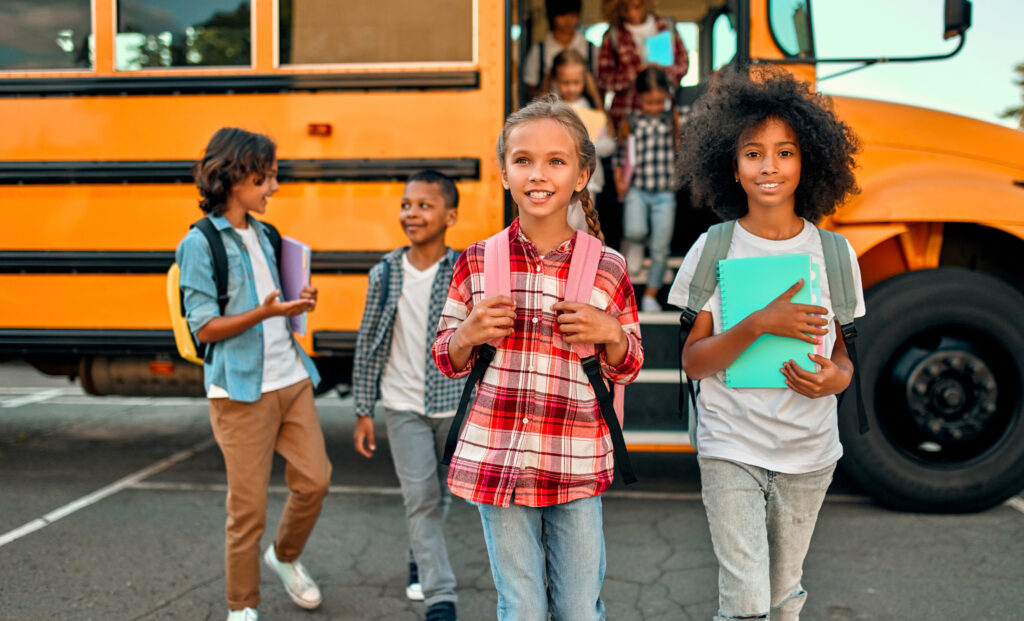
[617, 68]
[536, 428]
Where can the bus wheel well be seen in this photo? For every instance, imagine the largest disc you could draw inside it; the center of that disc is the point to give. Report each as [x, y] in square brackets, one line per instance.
[982, 249]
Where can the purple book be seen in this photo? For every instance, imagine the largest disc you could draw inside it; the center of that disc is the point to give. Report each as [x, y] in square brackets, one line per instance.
[295, 260]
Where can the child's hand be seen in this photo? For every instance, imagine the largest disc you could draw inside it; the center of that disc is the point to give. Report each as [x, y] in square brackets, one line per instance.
[309, 293]
[273, 306]
[781, 317]
[490, 319]
[363, 437]
[830, 380]
[584, 323]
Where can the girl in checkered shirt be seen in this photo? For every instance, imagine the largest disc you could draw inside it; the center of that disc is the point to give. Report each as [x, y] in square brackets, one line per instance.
[644, 168]
[535, 453]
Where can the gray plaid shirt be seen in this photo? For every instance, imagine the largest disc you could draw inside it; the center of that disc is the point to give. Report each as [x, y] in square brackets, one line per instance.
[655, 152]
[373, 345]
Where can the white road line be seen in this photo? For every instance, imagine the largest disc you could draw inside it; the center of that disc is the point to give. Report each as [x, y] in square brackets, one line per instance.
[1016, 502]
[35, 397]
[102, 493]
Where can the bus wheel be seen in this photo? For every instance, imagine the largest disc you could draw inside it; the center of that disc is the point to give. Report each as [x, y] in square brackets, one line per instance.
[942, 369]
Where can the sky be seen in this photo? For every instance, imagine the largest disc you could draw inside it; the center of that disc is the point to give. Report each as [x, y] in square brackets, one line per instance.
[978, 82]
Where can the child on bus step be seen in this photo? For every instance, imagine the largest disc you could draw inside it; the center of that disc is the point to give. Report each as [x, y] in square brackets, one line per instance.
[258, 380]
[651, 135]
[573, 82]
[393, 364]
[768, 152]
[535, 453]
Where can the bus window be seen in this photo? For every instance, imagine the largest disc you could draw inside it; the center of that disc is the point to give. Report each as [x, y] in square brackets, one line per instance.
[47, 34]
[154, 33]
[387, 31]
[791, 27]
[723, 41]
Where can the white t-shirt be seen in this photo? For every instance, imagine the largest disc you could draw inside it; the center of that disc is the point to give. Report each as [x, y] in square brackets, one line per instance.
[403, 381]
[643, 31]
[281, 364]
[551, 49]
[773, 428]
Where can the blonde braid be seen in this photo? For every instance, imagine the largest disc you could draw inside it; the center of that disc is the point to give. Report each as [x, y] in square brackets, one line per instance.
[588, 210]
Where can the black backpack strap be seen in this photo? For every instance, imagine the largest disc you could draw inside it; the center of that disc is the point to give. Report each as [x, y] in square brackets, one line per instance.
[275, 242]
[540, 64]
[484, 356]
[592, 367]
[220, 260]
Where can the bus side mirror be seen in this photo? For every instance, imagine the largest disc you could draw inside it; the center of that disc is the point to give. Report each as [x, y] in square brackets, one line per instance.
[958, 18]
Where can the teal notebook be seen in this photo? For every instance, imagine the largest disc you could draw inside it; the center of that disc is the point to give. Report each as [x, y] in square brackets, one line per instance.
[659, 49]
[748, 285]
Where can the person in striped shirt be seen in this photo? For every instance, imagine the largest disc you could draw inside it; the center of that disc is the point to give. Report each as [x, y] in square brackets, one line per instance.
[535, 454]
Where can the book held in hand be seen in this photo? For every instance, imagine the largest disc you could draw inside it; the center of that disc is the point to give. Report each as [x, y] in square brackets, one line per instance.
[295, 270]
[750, 284]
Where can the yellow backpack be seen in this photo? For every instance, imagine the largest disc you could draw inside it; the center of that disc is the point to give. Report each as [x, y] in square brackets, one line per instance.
[188, 347]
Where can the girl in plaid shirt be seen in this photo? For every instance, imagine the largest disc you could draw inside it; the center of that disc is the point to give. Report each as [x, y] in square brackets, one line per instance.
[535, 453]
[644, 168]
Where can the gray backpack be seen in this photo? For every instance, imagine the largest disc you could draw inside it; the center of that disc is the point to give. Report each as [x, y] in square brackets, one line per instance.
[705, 278]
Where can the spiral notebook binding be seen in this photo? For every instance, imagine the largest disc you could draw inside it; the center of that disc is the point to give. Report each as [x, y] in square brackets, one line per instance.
[722, 265]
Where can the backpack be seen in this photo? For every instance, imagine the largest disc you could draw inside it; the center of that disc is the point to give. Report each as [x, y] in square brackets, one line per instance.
[188, 347]
[580, 282]
[841, 288]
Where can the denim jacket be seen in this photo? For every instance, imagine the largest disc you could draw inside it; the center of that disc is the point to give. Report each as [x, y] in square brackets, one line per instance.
[235, 363]
[373, 345]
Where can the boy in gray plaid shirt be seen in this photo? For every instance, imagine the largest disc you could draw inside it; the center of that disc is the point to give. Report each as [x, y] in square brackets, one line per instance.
[393, 365]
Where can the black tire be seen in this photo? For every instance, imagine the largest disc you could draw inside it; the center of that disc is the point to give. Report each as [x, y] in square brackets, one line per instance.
[942, 369]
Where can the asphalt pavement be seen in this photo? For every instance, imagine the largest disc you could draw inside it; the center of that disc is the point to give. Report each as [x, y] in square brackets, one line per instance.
[113, 508]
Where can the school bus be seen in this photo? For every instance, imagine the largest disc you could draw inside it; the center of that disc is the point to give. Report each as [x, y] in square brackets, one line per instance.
[109, 102]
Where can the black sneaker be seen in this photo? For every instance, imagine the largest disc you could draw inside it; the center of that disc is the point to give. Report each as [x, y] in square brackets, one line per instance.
[441, 611]
[414, 590]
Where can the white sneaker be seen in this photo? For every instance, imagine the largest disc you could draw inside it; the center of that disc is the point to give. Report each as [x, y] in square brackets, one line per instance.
[245, 614]
[414, 590]
[297, 583]
[649, 304]
[633, 252]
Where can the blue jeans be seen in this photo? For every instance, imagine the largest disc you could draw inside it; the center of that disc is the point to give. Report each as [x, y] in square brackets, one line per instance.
[761, 525]
[659, 209]
[417, 443]
[562, 543]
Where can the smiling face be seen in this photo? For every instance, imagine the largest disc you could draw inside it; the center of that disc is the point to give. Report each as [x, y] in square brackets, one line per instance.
[542, 169]
[425, 214]
[253, 192]
[768, 165]
[653, 102]
[569, 80]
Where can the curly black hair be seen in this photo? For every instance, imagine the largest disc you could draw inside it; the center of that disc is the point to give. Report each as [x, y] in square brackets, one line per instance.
[737, 102]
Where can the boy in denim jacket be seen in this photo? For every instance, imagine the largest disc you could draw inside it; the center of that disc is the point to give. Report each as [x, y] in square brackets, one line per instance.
[259, 381]
[393, 365]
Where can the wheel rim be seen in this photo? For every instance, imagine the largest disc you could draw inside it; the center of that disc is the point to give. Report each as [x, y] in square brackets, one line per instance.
[948, 395]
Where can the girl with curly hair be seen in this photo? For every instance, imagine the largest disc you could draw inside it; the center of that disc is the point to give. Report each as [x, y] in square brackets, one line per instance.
[768, 152]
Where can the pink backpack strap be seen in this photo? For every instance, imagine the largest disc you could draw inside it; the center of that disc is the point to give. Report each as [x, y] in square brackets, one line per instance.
[579, 285]
[497, 268]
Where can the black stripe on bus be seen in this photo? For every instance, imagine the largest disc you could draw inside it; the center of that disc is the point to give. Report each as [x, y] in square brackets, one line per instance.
[41, 342]
[154, 262]
[180, 171]
[236, 84]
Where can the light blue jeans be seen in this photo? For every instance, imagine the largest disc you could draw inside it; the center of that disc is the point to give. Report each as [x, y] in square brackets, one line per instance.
[761, 525]
[659, 210]
[417, 443]
[563, 543]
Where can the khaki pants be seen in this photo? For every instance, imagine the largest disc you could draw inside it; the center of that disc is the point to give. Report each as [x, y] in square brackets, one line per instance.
[285, 421]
